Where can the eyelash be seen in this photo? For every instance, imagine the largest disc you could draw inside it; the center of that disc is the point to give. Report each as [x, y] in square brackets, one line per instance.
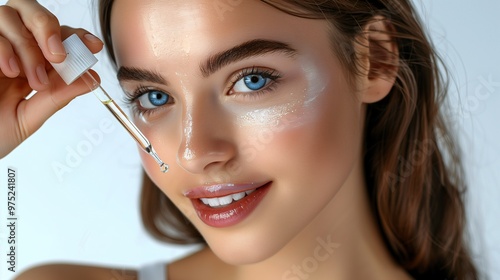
[131, 98]
[264, 72]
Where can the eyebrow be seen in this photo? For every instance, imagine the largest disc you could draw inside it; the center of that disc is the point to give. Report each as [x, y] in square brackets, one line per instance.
[215, 62]
[245, 50]
[137, 74]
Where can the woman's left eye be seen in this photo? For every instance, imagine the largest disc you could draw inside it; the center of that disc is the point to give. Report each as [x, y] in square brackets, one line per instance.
[251, 82]
[153, 99]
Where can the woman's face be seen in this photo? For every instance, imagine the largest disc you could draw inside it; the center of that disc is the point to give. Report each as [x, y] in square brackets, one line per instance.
[237, 96]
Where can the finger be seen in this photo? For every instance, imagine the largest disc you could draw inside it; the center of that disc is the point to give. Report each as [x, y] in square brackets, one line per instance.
[34, 112]
[9, 64]
[25, 47]
[45, 28]
[94, 44]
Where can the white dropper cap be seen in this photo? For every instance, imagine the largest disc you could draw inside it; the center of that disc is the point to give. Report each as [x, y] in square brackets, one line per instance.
[78, 60]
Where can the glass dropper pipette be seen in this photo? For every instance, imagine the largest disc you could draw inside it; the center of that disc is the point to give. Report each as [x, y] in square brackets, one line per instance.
[101, 94]
[78, 61]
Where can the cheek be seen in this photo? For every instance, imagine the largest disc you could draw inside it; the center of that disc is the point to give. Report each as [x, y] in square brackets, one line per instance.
[149, 165]
[152, 170]
[309, 159]
[319, 142]
[167, 182]
[321, 139]
[155, 132]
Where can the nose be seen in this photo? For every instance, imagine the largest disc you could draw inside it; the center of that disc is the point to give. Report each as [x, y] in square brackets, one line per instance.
[207, 143]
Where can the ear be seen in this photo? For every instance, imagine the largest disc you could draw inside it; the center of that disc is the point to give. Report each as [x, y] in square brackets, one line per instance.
[379, 57]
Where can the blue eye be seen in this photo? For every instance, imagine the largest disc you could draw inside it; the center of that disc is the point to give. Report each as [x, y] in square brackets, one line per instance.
[153, 99]
[251, 82]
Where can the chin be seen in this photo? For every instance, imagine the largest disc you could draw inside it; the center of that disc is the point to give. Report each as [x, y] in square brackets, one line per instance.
[249, 255]
[242, 249]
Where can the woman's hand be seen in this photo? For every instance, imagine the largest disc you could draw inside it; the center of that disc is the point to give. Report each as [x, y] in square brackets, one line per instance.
[30, 37]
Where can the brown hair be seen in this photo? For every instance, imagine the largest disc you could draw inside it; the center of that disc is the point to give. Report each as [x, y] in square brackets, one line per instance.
[412, 166]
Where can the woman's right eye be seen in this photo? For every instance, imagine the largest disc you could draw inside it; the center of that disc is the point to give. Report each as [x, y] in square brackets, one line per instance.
[153, 99]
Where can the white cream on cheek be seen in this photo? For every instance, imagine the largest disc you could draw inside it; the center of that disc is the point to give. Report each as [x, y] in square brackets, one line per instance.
[317, 80]
[301, 110]
[270, 116]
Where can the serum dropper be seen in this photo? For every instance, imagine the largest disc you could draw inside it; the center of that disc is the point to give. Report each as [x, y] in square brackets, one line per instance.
[78, 61]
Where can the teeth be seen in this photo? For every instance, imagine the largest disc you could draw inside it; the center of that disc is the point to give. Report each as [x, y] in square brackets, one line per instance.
[225, 200]
[204, 200]
[238, 196]
[213, 202]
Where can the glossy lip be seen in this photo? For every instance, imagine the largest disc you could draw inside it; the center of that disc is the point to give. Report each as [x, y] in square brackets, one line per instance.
[233, 213]
[219, 190]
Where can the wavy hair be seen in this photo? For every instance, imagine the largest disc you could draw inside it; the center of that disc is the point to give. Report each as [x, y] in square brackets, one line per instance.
[412, 164]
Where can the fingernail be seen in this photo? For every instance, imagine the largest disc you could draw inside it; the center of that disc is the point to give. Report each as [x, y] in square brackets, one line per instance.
[55, 45]
[14, 67]
[42, 75]
[92, 38]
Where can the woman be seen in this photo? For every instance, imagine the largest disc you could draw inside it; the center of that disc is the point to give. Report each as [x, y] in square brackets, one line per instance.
[305, 139]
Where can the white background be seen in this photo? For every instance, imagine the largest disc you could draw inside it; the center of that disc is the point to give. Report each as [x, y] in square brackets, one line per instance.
[90, 214]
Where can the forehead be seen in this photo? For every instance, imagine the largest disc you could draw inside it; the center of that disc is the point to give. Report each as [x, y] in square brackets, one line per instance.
[156, 29]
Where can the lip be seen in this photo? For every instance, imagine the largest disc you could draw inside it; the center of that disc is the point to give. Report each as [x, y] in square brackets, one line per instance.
[230, 214]
[219, 190]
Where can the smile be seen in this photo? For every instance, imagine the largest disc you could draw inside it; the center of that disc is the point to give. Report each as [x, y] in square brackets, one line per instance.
[228, 204]
[225, 200]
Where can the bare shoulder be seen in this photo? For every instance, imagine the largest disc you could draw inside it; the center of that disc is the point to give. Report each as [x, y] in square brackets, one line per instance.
[208, 266]
[76, 272]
